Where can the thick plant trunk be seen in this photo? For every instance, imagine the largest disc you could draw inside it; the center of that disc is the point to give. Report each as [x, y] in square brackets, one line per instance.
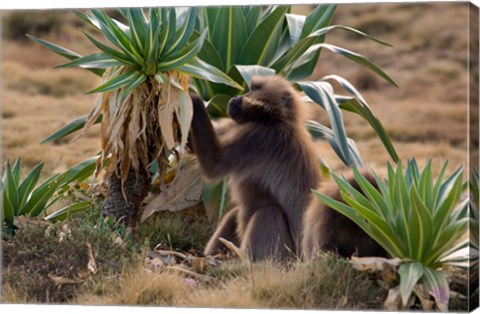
[126, 205]
[136, 189]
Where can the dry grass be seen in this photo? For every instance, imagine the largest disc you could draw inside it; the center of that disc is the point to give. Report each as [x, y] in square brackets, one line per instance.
[329, 284]
[137, 286]
[426, 117]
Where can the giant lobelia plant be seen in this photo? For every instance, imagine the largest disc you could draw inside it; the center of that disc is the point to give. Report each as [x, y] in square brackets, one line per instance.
[143, 103]
[416, 218]
[27, 197]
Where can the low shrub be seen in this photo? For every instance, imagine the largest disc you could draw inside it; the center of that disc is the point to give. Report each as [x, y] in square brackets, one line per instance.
[49, 263]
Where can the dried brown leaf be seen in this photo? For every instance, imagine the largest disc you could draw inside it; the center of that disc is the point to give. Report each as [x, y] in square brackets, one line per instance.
[133, 131]
[166, 257]
[424, 296]
[92, 265]
[184, 114]
[92, 116]
[374, 263]
[166, 110]
[58, 280]
[183, 192]
[169, 252]
[394, 300]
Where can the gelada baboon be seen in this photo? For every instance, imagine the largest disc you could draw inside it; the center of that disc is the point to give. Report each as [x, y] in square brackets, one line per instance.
[270, 161]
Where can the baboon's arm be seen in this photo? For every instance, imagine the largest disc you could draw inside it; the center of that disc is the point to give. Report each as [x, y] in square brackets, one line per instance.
[204, 141]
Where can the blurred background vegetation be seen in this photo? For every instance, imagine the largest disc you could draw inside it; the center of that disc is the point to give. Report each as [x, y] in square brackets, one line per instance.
[425, 116]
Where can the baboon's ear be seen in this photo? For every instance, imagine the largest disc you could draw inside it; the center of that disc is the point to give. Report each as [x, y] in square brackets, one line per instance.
[287, 99]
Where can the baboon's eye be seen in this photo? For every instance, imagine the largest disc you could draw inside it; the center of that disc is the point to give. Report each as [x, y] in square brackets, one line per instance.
[255, 86]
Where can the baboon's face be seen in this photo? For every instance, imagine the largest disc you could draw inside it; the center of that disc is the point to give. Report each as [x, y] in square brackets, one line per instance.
[270, 99]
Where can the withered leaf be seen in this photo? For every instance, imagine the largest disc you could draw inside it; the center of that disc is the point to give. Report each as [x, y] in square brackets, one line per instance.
[183, 192]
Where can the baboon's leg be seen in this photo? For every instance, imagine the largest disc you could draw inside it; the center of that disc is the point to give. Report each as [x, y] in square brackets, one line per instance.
[267, 235]
[227, 230]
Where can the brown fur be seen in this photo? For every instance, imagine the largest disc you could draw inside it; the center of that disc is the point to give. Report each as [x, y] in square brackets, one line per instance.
[269, 159]
[327, 230]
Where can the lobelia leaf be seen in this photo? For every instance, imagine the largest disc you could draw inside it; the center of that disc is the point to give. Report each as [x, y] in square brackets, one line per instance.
[410, 274]
[35, 205]
[202, 70]
[415, 171]
[459, 252]
[118, 55]
[68, 54]
[16, 170]
[127, 78]
[373, 195]
[283, 47]
[137, 23]
[327, 29]
[318, 18]
[314, 21]
[79, 172]
[134, 83]
[425, 188]
[409, 222]
[317, 131]
[8, 212]
[437, 286]
[11, 188]
[153, 41]
[252, 14]
[182, 56]
[247, 72]
[438, 183]
[70, 128]
[184, 114]
[295, 24]
[117, 36]
[359, 108]
[262, 44]
[27, 186]
[310, 53]
[67, 211]
[95, 60]
[380, 230]
[343, 209]
[425, 225]
[87, 18]
[231, 36]
[55, 48]
[449, 236]
[447, 186]
[449, 199]
[209, 53]
[321, 93]
[184, 33]
[167, 27]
